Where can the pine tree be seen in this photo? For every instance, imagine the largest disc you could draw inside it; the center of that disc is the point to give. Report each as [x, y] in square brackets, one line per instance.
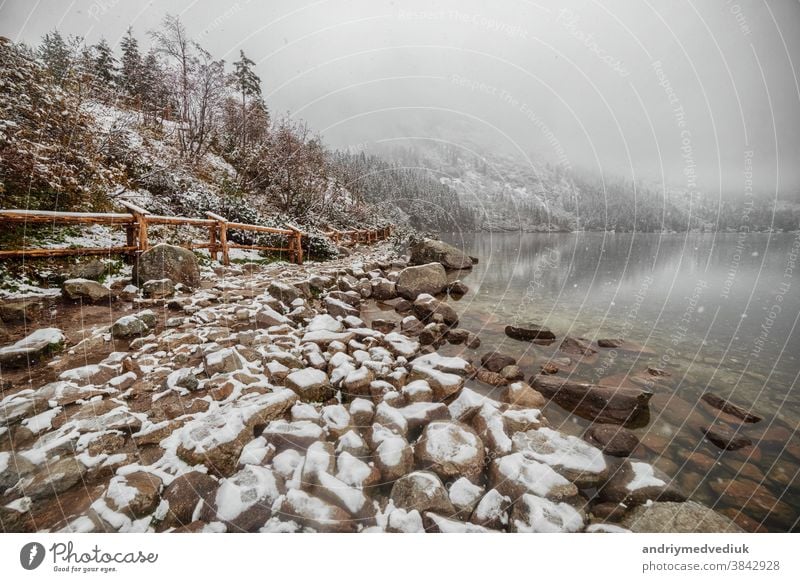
[153, 90]
[248, 85]
[56, 55]
[131, 65]
[105, 64]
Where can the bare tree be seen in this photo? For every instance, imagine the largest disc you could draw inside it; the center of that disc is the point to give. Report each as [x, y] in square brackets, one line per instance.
[173, 42]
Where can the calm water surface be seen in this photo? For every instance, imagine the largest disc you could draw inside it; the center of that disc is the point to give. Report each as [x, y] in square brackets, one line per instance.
[717, 312]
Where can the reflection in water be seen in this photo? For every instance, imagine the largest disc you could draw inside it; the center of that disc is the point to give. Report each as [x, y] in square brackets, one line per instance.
[716, 312]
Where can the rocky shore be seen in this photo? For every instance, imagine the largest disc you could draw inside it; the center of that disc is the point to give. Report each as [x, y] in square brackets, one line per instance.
[268, 398]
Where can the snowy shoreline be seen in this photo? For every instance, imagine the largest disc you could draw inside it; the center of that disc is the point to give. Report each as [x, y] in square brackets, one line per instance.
[262, 401]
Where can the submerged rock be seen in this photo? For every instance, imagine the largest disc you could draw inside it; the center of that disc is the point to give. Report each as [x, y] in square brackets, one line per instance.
[612, 439]
[616, 405]
[495, 361]
[671, 517]
[577, 347]
[530, 332]
[726, 437]
[728, 407]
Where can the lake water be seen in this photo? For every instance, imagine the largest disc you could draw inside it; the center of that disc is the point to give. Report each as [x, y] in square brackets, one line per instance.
[718, 312]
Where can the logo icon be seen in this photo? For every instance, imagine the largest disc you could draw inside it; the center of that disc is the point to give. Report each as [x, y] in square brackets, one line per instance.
[31, 555]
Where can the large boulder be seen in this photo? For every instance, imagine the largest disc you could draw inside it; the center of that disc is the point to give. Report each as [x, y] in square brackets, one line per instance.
[86, 290]
[94, 270]
[167, 262]
[135, 494]
[451, 449]
[669, 517]
[34, 347]
[436, 251]
[421, 491]
[316, 513]
[130, 326]
[535, 514]
[514, 475]
[310, 384]
[21, 310]
[244, 501]
[216, 438]
[158, 289]
[184, 494]
[414, 281]
[636, 483]
[568, 455]
[52, 478]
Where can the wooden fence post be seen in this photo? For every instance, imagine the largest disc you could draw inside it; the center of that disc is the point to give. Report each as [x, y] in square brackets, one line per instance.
[212, 242]
[295, 246]
[139, 229]
[222, 225]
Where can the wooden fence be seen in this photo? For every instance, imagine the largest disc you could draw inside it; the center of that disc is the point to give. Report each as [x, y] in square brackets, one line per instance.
[351, 237]
[138, 220]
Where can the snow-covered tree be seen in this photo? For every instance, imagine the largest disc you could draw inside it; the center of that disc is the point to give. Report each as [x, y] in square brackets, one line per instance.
[248, 85]
[49, 154]
[131, 65]
[59, 55]
[104, 63]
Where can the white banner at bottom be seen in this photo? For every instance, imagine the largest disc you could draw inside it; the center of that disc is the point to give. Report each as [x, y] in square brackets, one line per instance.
[350, 558]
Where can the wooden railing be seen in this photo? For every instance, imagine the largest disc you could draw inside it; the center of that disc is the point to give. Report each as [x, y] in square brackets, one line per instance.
[138, 220]
[137, 236]
[351, 237]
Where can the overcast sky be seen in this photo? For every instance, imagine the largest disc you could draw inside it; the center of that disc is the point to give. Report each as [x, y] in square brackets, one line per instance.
[674, 90]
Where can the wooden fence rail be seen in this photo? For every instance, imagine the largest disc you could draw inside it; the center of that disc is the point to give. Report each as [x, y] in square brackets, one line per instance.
[351, 237]
[138, 220]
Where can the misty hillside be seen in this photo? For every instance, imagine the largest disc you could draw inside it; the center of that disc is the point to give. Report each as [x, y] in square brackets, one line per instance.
[180, 133]
[510, 193]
